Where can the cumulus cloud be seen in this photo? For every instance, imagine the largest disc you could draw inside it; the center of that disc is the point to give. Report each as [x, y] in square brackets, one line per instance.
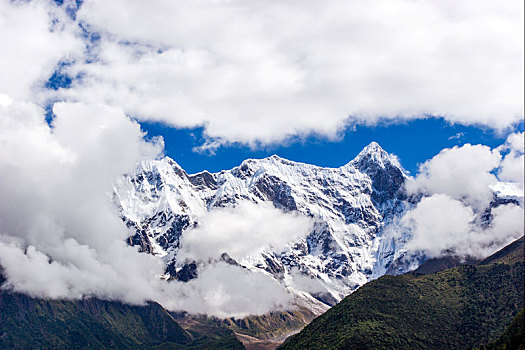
[442, 225]
[62, 238]
[460, 172]
[438, 222]
[507, 225]
[60, 235]
[515, 142]
[458, 186]
[241, 231]
[258, 72]
[512, 166]
[34, 37]
[225, 290]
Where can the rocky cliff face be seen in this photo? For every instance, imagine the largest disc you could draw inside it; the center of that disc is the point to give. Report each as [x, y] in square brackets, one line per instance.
[350, 206]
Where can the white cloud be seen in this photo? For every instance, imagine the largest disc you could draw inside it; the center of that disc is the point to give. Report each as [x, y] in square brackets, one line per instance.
[442, 225]
[87, 273]
[515, 142]
[60, 235]
[62, 238]
[507, 225]
[224, 290]
[438, 222]
[242, 231]
[458, 185]
[460, 172]
[457, 136]
[260, 72]
[5, 100]
[227, 290]
[34, 37]
[254, 71]
[306, 283]
[512, 166]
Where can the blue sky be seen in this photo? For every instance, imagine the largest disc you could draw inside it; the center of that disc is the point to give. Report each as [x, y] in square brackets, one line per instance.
[312, 89]
[412, 141]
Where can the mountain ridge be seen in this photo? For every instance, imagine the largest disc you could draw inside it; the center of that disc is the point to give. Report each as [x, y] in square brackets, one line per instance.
[457, 308]
[349, 205]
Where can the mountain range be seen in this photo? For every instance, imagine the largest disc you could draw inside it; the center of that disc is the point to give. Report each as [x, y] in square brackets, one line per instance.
[364, 287]
[350, 206]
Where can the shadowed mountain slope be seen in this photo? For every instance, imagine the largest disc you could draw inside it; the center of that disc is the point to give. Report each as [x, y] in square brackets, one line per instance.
[439, 264]
[512, 253]
[513, 338]
[457, 308]
[31, 323]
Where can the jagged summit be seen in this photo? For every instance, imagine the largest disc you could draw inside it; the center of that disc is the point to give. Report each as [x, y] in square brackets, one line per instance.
[373, 147]
[374, 154]
[275, 157]
[374, 151]
[271, 165]
[384, 169]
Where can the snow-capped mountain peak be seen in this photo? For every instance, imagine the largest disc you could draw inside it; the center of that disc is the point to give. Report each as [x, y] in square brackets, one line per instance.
[159, 201]
[374, 155]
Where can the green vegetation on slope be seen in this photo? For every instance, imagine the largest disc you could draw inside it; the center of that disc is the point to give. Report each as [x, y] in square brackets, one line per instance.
[457, 308]
[514, 336]
[31, 323]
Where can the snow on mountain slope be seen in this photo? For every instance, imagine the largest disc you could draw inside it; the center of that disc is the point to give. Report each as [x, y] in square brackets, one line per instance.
[350, 206]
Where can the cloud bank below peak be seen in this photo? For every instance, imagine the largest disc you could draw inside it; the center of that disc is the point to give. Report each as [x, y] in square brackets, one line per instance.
[61, 236]
[458, 187]
[242, 231]
[260, 72]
